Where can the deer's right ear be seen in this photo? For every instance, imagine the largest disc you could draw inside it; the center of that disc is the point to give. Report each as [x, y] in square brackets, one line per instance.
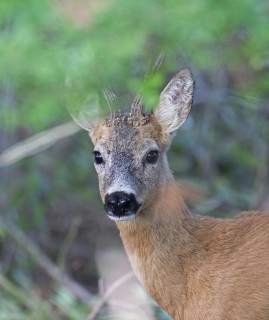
[87, 115]
[175, 101]
[82, 119]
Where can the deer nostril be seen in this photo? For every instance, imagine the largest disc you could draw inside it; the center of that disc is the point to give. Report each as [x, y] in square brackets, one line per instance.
[124, 202]
[112, 201]
[120, 203]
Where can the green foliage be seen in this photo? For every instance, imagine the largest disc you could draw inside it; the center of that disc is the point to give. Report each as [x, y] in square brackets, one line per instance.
[48, 63]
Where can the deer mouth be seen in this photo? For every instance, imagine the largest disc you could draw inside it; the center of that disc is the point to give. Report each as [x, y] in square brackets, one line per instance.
[121, 206]
[122, 218]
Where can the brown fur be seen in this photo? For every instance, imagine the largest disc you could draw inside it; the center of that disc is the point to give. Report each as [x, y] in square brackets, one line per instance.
[151, 130]
[198, 267]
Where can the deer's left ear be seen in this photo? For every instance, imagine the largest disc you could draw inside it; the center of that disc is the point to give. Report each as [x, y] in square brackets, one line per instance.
[175, 101]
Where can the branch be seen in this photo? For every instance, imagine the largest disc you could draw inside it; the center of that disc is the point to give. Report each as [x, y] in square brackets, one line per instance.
[17, 293]
[51, 269]
[115, 285]
[37, 143]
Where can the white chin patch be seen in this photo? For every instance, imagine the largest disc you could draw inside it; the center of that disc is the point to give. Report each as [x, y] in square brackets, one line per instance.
[123, 218]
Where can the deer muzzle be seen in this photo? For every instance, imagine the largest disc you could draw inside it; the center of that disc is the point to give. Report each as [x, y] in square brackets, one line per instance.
[121, 206]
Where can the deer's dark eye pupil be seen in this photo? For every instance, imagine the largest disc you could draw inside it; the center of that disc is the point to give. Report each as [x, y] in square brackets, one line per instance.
[152, 156]
[98, 157]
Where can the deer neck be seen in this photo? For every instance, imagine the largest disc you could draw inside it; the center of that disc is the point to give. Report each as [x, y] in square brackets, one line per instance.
[160, 233]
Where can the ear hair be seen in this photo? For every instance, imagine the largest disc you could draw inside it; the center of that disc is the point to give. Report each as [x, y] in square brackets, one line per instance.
[175, 101]
[87, 115]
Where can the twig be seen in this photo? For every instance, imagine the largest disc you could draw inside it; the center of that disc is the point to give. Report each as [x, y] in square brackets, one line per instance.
[52, 270]
[37, 143]
[69, 239]
[17, 293]
[33, 303]
[115, 285]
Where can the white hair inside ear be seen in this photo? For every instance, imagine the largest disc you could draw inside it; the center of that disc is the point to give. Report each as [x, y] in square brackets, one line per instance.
[86, 115]
[175, 101]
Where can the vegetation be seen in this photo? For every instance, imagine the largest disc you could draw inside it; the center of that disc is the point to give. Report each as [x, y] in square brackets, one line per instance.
[61, 54]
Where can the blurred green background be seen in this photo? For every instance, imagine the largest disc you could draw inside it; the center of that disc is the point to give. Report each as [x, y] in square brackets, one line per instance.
[59, 54]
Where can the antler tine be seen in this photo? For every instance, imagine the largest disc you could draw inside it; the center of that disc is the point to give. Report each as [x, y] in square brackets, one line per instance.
[137, 107]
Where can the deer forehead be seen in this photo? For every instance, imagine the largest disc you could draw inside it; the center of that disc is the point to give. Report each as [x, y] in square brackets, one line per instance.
[133, 138]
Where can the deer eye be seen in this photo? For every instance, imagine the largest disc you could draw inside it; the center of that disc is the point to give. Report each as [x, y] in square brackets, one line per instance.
[152, 156]
[98, 157]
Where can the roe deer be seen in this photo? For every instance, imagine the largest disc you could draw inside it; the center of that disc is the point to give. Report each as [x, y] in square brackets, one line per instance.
[195, 267]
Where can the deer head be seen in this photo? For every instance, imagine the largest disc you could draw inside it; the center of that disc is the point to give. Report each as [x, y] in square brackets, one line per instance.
[130, 149]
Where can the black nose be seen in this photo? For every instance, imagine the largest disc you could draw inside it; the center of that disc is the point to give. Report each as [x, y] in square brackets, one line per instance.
[121, 204]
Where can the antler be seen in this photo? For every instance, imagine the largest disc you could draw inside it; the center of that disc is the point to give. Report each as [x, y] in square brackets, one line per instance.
[137, 109]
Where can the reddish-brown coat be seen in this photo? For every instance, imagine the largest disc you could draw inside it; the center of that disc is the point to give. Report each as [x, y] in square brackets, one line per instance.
[198, 267]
